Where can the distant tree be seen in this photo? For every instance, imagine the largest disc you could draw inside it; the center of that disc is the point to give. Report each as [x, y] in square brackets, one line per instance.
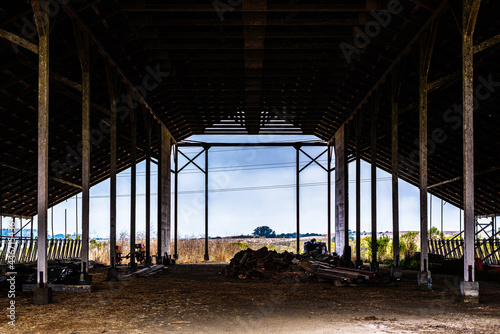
[434, 233]
[264, 231]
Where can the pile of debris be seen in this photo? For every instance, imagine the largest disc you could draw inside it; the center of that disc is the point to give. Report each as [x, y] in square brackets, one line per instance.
[288, 267]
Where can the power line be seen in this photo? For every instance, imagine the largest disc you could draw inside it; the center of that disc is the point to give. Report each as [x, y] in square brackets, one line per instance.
[270, 187]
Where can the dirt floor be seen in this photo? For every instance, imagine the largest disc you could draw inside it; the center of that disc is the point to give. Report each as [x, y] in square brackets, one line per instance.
[197, 299]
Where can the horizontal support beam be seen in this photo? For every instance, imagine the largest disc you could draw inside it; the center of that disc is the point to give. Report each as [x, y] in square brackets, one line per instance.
[369, 5]
[149, 20]
[35, 173]
[168, 34]
[486, 44]
[408, 48]
[19, 41]
[489, 170]
[105, 54]
[295, 144]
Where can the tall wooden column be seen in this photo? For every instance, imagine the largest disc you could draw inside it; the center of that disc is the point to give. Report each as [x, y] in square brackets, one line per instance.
[148, 189]
[470, 11]
[112, 89]
[358, 190]
[374, 116]
[43, 26]
[341, 201]
[426, 47]
[82, 42]
[164, 229]
[133, 182]
[395, 90]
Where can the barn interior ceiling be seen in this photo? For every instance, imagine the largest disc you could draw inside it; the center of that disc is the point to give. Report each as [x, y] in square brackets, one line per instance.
[248, 67]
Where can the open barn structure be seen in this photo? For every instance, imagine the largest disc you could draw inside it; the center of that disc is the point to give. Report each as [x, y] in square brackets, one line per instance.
[89, 88]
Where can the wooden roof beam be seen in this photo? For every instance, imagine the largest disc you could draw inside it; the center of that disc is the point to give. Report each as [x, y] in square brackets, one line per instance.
[369, 5]
[416, 38]
[104, 53]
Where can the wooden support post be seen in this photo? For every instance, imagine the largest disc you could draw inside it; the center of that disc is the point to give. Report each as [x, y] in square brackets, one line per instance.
[426, 48]
[82, 42]
[358, 189]
[159, 196]
[470, 11]
[133, 181]
[329, 197]
[395, 90]
[43, 26]
[206, 256]
[148, 189]
[112, 89]
[341, 204]
[297, 196]
[164, 195]
[375, 109]
[176, 201]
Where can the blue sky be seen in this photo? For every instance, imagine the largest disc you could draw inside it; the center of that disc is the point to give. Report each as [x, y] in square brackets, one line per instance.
[234, 211]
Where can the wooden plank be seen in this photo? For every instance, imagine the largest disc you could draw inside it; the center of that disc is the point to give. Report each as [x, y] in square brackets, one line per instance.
[146, 271]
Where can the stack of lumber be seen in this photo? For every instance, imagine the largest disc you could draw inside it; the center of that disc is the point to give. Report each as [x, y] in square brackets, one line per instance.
[288, 267]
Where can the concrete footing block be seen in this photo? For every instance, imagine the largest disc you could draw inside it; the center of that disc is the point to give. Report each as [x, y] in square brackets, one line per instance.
[396, 272]
[423, 278]
[42, 296]
[469, 291]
